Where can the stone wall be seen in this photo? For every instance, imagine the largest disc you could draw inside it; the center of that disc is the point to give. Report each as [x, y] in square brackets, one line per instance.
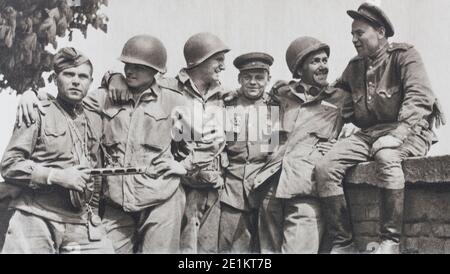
[5, 214]
[427, 206]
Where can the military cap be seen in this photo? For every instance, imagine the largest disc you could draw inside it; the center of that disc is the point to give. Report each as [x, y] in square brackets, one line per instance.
[253, 60]
[374, 15]
[68, 57]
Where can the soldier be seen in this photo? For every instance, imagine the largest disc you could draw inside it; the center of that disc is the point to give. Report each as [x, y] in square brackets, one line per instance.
[199, 81]
[138, 133]
[49, 160]
[290, 219]
[247, 152]
[199, 147]
[394, 106]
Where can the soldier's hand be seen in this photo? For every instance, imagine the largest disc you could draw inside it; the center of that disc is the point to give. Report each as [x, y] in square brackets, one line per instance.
[348, 130]
[74, 178]
[167, 167]
[26, 108]
[325, 147]
[383, 142]
[440, 119]
[280, 84]
[118, 89]
[279, 90]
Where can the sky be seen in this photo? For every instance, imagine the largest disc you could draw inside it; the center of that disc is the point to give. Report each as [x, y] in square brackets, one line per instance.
[260, 25]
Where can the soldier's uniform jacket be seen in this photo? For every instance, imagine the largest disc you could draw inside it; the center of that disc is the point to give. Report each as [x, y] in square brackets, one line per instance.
[204, 163]
[50, 143]
[391, 92]
[248, 151]
[306, 121]
[134, 135]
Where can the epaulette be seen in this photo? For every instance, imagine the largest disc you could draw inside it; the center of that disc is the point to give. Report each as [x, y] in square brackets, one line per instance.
[170, 83]
[231, 100]
[399, 46]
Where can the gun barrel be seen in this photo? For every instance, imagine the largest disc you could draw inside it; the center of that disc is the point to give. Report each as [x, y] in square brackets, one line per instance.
[117, 171]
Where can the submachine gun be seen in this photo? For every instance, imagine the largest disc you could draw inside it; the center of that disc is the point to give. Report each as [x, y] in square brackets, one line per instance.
[91, 195]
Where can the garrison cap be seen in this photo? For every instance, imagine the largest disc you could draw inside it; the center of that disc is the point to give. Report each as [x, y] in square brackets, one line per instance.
[68, 57]
[253, 60]
[373, 14]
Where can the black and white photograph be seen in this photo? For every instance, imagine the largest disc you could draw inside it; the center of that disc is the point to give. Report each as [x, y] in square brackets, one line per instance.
[225, 127]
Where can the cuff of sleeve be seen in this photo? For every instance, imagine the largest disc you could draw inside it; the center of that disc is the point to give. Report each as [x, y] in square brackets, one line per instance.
[40, 175]
[401, 132]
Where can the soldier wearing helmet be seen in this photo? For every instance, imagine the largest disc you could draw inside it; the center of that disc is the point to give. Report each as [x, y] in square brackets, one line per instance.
[203, 158]
[289, 211]
[137, 133]
[199, 145]
[395, 107]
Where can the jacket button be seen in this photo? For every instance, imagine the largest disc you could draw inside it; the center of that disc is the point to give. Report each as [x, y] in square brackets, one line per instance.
[370, 98]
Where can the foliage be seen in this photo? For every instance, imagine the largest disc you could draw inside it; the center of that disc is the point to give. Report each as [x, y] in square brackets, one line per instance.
[28, 26]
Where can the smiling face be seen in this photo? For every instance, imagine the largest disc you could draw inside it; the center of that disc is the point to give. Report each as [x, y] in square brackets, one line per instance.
[139, 76]
[254, 82]
[367, 39]
[73, 83]
[314, 70]
[210, 69]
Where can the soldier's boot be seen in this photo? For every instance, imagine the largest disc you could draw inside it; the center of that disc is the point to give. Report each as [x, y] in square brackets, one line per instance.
[338, 224]
[391, 224]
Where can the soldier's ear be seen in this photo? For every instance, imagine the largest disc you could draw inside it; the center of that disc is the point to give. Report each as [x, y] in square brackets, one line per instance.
[239, 77]
[382, 32]
[299, 72]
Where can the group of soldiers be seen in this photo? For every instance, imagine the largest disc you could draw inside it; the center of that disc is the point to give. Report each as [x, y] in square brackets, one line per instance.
[206, 192]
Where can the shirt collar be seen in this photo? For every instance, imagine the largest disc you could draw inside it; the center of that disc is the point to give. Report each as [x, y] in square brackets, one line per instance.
[379, 53]
[149, 94]
[310, 89]
[184, 78]
[72, 110]
[263, 98]
[300, 88]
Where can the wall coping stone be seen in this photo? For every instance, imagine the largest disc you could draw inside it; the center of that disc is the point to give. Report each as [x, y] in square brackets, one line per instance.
[418, 170]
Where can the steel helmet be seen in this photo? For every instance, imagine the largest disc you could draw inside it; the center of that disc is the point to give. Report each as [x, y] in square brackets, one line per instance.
[145, 50]
[299, 49]
[201, 46]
